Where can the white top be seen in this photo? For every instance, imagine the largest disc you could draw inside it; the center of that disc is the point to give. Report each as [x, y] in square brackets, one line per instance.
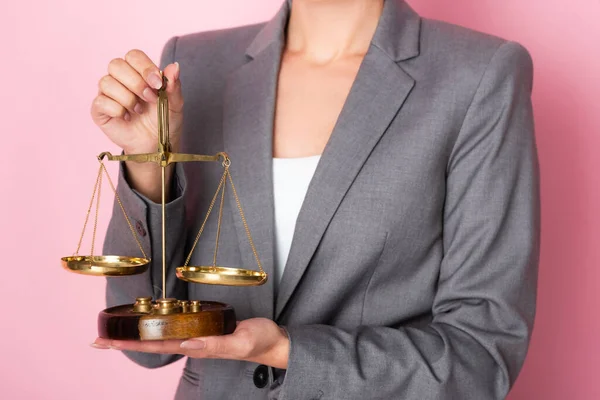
[291, 177]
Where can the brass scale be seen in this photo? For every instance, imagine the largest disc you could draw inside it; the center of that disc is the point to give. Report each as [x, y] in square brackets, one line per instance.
[165, 318]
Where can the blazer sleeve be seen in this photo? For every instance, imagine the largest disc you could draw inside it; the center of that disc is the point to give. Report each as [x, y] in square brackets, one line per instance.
[146, 217]
[484, 307]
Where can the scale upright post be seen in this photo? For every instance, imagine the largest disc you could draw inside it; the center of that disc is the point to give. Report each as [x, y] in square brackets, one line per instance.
[163, 149]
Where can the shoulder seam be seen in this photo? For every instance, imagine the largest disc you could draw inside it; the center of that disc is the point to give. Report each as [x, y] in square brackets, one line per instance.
[484, 73]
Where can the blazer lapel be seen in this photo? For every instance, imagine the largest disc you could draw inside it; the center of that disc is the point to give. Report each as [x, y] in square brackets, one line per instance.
[378, 92]
[249, 106]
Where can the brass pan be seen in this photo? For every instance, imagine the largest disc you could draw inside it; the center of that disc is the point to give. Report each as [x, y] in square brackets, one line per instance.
[105, 265]
[221, 276]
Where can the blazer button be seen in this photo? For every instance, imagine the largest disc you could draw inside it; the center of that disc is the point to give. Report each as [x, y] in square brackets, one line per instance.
[139, 227]
[261, 376]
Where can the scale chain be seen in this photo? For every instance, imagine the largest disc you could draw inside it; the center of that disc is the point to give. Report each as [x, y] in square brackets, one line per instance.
[96, 217]
[133, 232]
[210, 207]
[219, 225]
[239, 205]
[87, 216]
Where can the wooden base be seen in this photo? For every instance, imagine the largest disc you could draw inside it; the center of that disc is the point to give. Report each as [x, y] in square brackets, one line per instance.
[123, 323]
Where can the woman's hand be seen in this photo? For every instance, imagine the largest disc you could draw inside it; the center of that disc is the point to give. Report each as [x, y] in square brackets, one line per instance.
[125, 107]
[125, 110]
[257, 340]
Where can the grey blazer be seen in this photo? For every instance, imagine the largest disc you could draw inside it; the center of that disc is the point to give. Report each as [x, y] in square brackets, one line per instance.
[413, 268]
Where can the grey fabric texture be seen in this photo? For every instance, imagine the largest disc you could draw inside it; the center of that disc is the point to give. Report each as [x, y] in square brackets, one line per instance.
[413, 268]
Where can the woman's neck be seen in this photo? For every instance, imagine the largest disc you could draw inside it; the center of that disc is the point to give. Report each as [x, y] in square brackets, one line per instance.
[323, 31]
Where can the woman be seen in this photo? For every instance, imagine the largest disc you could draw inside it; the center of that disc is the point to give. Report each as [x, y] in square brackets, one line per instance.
[412, 272]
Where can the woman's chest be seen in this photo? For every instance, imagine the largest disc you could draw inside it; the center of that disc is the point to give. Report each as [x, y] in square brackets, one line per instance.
[308, 103]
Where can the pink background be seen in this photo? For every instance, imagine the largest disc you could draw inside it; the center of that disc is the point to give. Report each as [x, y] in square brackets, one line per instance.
[53, 53]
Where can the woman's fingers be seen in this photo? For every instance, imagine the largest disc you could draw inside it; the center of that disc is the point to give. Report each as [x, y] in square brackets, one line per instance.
[141, 76]
[114, 89]
[227, 346]
[104, 109]
[129, 77]
[144, 66]
[129, 89]
[148, 346]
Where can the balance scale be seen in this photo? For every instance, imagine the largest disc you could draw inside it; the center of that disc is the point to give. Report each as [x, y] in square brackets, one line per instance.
[165, 318]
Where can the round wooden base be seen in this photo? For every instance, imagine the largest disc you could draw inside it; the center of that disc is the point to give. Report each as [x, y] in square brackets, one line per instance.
[124, 323]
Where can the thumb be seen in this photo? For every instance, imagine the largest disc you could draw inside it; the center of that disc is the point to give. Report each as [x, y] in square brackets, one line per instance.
[174, 94]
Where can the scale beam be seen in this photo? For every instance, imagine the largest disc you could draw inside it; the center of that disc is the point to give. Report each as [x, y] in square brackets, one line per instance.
[164, 158]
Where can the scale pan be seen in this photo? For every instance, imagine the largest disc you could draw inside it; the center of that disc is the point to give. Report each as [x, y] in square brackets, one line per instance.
[105, 265]
[221, 276]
